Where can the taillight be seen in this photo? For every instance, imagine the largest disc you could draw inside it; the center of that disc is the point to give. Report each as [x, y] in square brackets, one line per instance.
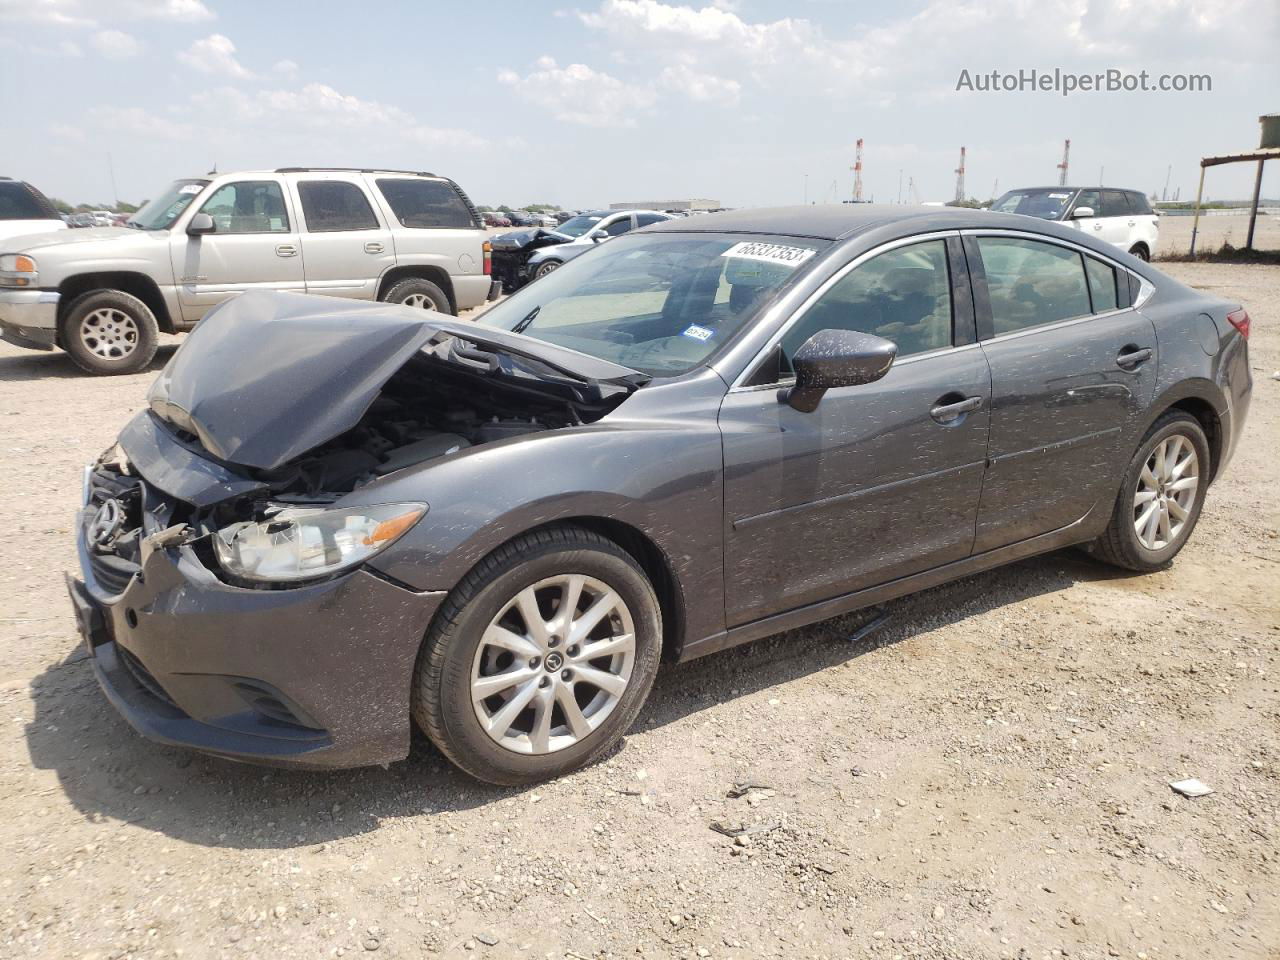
[487, 247]
[1240, 320]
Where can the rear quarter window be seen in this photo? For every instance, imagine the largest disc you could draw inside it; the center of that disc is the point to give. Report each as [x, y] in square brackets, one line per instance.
[425, 203]
[21, 202]
[1138, 202]
[333, 205]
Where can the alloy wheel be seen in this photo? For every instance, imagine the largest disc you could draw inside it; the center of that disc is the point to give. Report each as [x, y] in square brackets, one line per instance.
[1166, 492]
[553, 664]
[419, 300]
[109, 333]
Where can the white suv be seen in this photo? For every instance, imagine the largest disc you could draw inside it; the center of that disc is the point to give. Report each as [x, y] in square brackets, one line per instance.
[104, 294]
[24, 210]
[1120, 217]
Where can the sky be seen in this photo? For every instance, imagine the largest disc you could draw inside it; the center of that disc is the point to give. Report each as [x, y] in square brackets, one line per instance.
[755, 102]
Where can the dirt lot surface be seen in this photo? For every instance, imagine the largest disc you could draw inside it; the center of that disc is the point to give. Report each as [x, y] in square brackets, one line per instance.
[987, 776]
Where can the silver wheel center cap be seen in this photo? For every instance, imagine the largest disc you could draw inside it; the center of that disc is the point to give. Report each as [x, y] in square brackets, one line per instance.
[553, 662]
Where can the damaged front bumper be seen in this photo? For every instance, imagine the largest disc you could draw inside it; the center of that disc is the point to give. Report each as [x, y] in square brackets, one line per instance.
[316, 676]
[29, 318]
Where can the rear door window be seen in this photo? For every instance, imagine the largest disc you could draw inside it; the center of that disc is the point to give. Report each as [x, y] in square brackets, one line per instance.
[647, 219]
[1031, 283]
[1102, 285]
[425, 203]
[1114, 204]
[333, 205]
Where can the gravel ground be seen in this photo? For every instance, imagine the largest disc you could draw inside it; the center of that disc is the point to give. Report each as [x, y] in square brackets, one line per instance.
[986, 777]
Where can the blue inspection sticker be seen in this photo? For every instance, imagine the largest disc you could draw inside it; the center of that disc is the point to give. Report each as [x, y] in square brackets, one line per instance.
[699, 333]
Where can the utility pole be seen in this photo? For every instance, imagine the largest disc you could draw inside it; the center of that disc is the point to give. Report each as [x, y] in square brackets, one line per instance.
[1062, 167]
[899, 185]
[1164, 194]
[960, 178]
[1101, 171]
[857, 172]
[806, 189]
[995, 189]
[111, 168]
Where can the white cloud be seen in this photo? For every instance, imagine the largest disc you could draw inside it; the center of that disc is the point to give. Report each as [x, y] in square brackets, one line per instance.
[286, 68]
[140, 124]
[90, 13]
[115, 44]
[701, 87]
[579, 94]
[318, 109]
[214, 54]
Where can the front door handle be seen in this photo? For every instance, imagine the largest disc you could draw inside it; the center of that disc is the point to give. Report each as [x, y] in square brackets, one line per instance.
[373, 246]
[949, 412]
[1097, 226]
[1128, 359]
[286, 250]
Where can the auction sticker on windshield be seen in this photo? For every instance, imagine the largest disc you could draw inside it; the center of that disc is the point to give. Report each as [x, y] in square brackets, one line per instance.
[770, 253]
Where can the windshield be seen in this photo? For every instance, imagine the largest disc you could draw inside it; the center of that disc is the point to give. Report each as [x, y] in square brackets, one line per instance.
[658, 303]
[1047, 204]
[577, 226]
[159, 214]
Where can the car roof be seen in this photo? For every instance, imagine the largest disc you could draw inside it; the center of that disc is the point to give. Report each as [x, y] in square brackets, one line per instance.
[1073, 189]
[833, 221]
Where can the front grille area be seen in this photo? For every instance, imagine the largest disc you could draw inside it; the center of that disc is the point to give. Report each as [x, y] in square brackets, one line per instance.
[112, 572]
[143, 676]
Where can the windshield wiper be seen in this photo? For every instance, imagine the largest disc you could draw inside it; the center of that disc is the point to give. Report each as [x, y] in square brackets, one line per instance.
[528, 319]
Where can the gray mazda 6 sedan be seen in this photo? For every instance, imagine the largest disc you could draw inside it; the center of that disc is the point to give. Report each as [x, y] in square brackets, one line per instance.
[336, 519]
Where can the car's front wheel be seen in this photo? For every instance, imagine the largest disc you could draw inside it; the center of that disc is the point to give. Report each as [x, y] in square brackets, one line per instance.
[1161, 497]
[109, 332]
[549, 266]
[540, 659]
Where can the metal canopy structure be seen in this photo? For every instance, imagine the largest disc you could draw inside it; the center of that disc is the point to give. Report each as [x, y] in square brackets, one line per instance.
[1269, 150]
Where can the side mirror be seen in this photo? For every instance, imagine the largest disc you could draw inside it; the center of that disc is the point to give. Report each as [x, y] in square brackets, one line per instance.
[837, 358]
[201, 224]
[599, 235]
[1080, 213]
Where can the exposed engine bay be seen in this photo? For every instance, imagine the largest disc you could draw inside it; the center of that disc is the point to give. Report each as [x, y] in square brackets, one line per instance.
[444, 400]
[511, 253]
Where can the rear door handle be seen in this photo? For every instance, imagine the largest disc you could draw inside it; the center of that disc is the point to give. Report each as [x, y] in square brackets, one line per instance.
[1128, 359]
[286, 250]
[373, 247]
[947, 412]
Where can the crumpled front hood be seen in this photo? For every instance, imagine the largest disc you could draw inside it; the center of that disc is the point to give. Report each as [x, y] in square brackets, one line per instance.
[520, 239]
[265, 377]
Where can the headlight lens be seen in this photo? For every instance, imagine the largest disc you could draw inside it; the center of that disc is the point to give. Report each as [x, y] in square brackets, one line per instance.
[304, 543]
[17, 270]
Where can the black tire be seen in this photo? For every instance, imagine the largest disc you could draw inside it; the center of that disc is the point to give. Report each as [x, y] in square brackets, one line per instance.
[1140, 251]
[420, 291]
[548, 266]
[128, 338]
[441, 700]
[1119, 544]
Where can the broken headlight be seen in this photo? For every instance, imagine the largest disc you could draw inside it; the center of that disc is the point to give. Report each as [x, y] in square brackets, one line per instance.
[304, 543]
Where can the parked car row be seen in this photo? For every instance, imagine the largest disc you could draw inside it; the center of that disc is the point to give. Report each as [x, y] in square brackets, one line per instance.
[525, 255]
[104, 294]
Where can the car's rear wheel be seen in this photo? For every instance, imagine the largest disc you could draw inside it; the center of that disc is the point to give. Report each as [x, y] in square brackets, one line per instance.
[540, 659]
[1161, 497]
[1140, 251]
[544, 268]
[423, 294]
[109, 332]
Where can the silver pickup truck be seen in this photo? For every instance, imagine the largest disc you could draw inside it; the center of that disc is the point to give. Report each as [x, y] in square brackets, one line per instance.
[104, 294]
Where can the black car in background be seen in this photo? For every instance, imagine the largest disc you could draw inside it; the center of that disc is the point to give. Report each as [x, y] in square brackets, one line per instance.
[335, 519]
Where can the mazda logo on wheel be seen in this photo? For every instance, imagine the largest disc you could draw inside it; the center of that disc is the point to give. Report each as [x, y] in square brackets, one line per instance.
[106, 523]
